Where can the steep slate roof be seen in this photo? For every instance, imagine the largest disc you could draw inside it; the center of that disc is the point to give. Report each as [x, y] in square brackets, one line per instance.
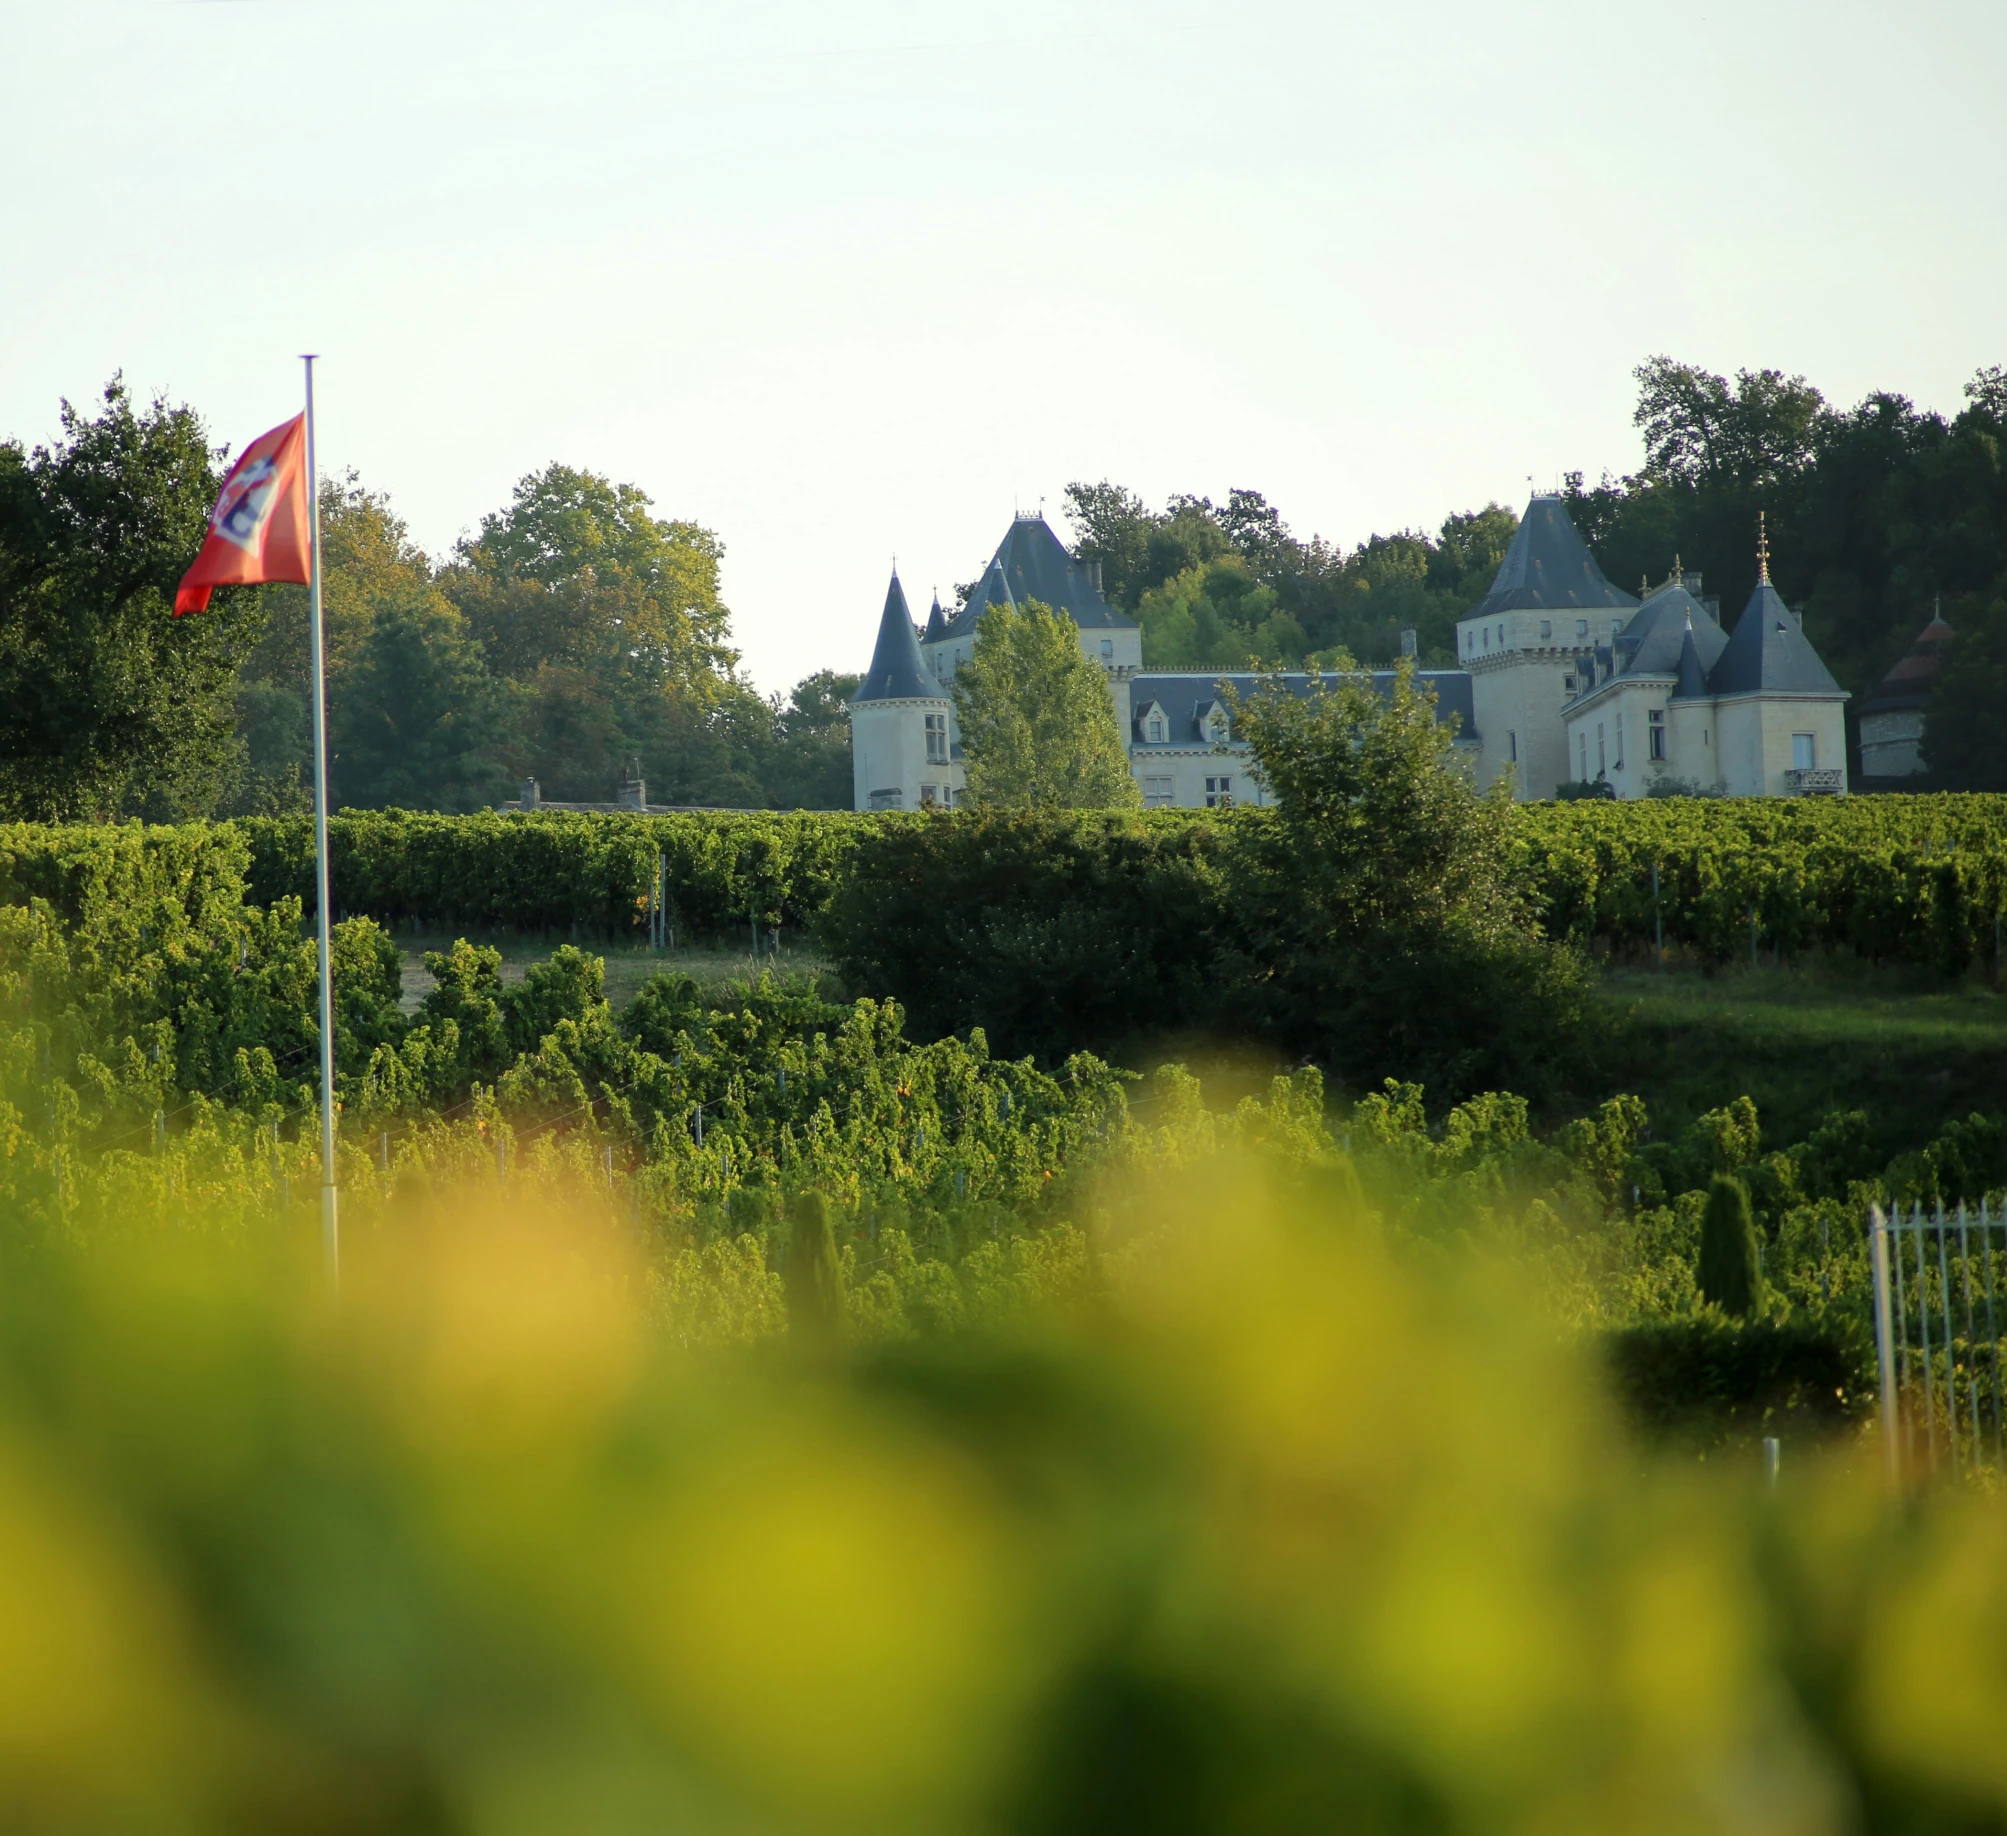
[1032, 563]
[937, 622]
[1548, 565]
[896, 672]
[1653, 639]
[1692, 670]
[1915, 674]
[1769, 653]
[1186, 698]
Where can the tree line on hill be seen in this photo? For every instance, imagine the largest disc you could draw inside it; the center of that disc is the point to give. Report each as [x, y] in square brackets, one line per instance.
[1877, 515]
[575, 632]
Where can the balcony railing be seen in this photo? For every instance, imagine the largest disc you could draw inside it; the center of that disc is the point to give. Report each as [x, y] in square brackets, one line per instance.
[1815, 781]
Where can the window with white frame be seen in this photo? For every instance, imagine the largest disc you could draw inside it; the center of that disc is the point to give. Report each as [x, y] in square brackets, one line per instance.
[1546, 630]
[937, 739]
[1107, 649]
[1804, 751]
[1219, 793]
[1581, 629]
[1602, 751]
[1582, 756]
[1155, 728]
[1620, 742]
[1655, 732]
[930, 796]
[1158, 793]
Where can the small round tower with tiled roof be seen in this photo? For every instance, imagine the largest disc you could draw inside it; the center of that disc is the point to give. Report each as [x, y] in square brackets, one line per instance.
[1892, 715]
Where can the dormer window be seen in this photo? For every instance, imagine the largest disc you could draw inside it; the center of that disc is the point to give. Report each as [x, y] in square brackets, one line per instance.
[1156, 729]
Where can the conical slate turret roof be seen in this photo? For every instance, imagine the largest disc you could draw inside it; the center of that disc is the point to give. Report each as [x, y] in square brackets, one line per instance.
[1692, 670]
[1768, 652]
[937, 622]
[896, 672]
[1032, 563]
[1548, 566]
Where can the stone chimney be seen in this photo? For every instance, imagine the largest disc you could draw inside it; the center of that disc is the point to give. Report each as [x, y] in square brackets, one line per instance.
[532, 797]
[1408, 641]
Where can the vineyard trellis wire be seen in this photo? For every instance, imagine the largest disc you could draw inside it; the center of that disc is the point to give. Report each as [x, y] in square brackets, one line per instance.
[1937, 1337]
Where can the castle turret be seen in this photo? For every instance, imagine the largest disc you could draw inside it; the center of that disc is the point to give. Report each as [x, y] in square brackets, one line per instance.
[899, 743]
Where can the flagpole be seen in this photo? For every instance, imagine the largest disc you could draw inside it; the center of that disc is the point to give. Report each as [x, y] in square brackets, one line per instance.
[330, 1221]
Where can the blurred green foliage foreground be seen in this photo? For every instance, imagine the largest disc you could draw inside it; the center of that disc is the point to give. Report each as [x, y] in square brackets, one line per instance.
[1263, 1525]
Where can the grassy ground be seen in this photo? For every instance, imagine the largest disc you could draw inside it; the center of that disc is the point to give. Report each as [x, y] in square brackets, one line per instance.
[1802, 1041]
[627, 965]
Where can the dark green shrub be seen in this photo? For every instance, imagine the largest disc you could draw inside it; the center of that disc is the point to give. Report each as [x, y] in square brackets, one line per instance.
[814, 1279]
[1708, 1379]
[1728, 1274]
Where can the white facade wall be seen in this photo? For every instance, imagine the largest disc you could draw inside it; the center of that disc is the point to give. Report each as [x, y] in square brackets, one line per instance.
[1521, 665]
[1195, 777]
[889, 765]
[1757, 735]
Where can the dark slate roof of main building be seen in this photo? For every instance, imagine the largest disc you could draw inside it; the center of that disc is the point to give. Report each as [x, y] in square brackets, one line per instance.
[1768, 653]
[1032, 563]
[896, 672]
[1548, 565]
[1653, 637]
[1187, 698]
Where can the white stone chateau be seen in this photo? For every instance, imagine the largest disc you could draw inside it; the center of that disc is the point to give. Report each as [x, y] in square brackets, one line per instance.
[1564, 678]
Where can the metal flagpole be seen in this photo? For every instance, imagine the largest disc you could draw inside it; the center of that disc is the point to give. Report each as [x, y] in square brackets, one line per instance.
[330, 1221]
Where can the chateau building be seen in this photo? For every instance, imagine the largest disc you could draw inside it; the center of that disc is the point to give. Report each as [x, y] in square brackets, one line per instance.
[904, 744]
[1671, 698]
[1563, 677]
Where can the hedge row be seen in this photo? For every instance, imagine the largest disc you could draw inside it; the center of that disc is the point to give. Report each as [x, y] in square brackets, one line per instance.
[1915, 879]
[563, 872]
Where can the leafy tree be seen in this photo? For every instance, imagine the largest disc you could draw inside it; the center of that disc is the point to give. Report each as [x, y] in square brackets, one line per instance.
[368, 562]
[814, 1279]
[1382, 930]
[107, 703]
[608, 619]
[1233, 585]
[1037, 720]
[1702, 430]
[1728, 1274]
[418, 718]
[1964, 737]
[809, 765]
[577, 569]
[1218, 615]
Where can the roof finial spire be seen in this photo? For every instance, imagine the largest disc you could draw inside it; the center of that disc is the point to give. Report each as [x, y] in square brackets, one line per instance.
[1762, 552]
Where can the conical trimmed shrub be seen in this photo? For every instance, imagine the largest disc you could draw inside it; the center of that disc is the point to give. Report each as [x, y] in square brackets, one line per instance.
[1729, 1275]
[814, 1279]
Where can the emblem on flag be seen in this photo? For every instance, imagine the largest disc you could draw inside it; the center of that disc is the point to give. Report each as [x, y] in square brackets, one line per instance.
[260, 527]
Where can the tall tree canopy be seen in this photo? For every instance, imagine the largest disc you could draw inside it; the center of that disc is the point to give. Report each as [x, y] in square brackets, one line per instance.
[107, 704]
[1231, 587]
[1876, 513]
[1038, 724]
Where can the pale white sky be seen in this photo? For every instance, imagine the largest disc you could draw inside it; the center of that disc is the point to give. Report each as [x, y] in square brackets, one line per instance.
[844, 280]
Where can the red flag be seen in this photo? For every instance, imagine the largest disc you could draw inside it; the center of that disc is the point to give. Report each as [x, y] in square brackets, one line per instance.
[260, 527]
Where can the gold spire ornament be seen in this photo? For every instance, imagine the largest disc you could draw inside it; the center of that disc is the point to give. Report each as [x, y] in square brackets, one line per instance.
[1762, 552]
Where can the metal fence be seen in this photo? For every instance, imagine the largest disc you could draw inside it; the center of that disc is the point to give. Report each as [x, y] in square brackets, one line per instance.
[1937, 1337]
